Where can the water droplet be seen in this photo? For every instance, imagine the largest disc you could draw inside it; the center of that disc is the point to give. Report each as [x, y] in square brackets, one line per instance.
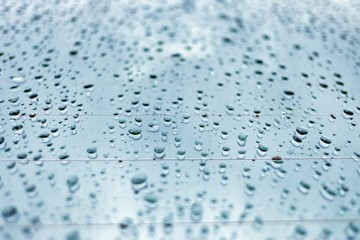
[226, 151]
[324, 141]
[181, 154]
[241, 154]
[328, 191]
[352, 230]
[153, 126]
[139, 181]
[276, 162]
[348, 113]
[242, 139]
[73, 183]
[10, 214]
[196, 212]
[300, 232]
[135, 133]
[301, 132]
[198, 145]
[31, 190]
[262, 150]
[177, 141]
[304, 187]
[92, 152]
[249, 189]
[151, 200]
[159, 151]
[168, 224]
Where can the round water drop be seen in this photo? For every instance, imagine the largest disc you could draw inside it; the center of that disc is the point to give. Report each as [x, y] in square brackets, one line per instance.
[222, 167]
[285, 193]
[139, 181]
[44, 137]
[326, 166]
[164, 136]
[304, 187]
[186, 119]
[224, 134]
[276, 162]
[126, 225]
[241, 154]
[328, 191]
[250, 189]
[206, 172]
[55, 132]
[324, 141]
[301, 132]
[63, 109]
[258, 222]
[296, 141]
[168, 224]
[348, 113]
[242, 139]
[135, 133]
[352, 230]
[224, 215]
[92, 152]
[300, 232]
[159, 151]
[73, 183]
[31, 190]
[225, 151]
[138, 122]
[73, 235]
[10, 214]
[153, 126]
[177, 141]
[167, 121]
[262, 150]
[204, 232]
[181, 154]
[343, 190]
[230, 109]
[216, 125]
[198, 145]
[224, 179]
[122, 123]
[196, 212]
[151, 200]
[12, 167]
[135, 104]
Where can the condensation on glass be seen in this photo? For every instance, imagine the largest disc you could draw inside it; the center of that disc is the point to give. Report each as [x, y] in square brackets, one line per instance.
[179, 119]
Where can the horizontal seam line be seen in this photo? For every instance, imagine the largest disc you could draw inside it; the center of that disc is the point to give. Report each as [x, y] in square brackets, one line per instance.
[184, 222]
[176, 159]
[179, 114]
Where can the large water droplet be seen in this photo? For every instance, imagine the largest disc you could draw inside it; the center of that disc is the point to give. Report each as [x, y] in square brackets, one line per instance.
[135, 133]
[73, 183]
[10, 214]
[159, 151]
[196, 212]
[139, 181]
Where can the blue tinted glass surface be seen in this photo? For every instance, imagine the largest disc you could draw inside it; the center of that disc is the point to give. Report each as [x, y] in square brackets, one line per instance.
[179, 120]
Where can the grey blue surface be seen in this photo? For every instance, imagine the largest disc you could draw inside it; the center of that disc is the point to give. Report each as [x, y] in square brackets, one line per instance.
[180, 120]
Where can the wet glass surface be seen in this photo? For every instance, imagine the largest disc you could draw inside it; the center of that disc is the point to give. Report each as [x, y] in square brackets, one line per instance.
[179, 120]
